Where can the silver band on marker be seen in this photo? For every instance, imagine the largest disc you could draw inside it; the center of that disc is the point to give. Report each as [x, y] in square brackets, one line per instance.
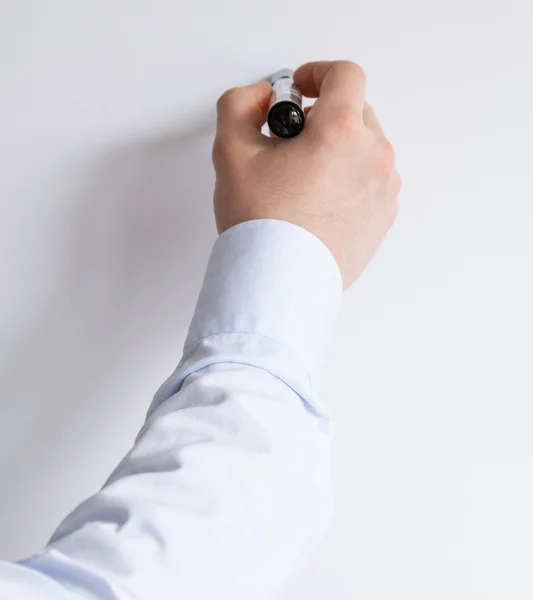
[283, 88]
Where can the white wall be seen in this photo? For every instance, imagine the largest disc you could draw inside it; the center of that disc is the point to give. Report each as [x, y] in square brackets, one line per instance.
[106, 118]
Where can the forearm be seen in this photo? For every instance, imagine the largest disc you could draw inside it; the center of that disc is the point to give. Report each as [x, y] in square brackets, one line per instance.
[223, 491]
[228, 481]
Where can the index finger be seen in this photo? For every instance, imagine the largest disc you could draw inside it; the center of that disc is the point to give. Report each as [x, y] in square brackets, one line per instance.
[338, 85]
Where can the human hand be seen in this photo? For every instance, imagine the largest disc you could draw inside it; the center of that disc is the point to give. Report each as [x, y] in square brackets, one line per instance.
[336, 179]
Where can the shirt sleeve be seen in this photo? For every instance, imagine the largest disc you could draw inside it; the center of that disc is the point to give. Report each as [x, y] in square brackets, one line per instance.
[228, 483]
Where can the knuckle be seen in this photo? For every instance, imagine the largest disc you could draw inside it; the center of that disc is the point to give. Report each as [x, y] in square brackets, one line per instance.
[387, 155]
[216, 152]
[228, 98]
[223, 147]
[396, 183]
[350, 68]
[345, 125]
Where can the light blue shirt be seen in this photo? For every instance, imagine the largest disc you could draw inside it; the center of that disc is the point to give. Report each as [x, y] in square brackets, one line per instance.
[228, 483]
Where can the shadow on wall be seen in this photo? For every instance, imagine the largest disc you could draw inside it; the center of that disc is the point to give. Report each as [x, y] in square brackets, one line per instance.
[135, 248]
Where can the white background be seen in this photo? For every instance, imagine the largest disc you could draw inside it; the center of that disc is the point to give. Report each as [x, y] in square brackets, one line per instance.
[106, 119]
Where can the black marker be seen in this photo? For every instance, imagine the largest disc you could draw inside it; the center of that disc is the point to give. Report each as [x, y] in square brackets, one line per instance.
[286, 116]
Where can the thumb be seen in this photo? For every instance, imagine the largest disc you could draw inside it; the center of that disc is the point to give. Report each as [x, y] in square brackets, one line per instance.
[242, 111]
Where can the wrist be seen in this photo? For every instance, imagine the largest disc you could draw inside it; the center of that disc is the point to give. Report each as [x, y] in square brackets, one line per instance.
[272, 278]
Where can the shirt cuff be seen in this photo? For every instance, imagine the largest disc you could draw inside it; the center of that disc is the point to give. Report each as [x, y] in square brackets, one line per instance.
[275, 279]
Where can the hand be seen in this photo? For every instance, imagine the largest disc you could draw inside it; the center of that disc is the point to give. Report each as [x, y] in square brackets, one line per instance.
[336, 179]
